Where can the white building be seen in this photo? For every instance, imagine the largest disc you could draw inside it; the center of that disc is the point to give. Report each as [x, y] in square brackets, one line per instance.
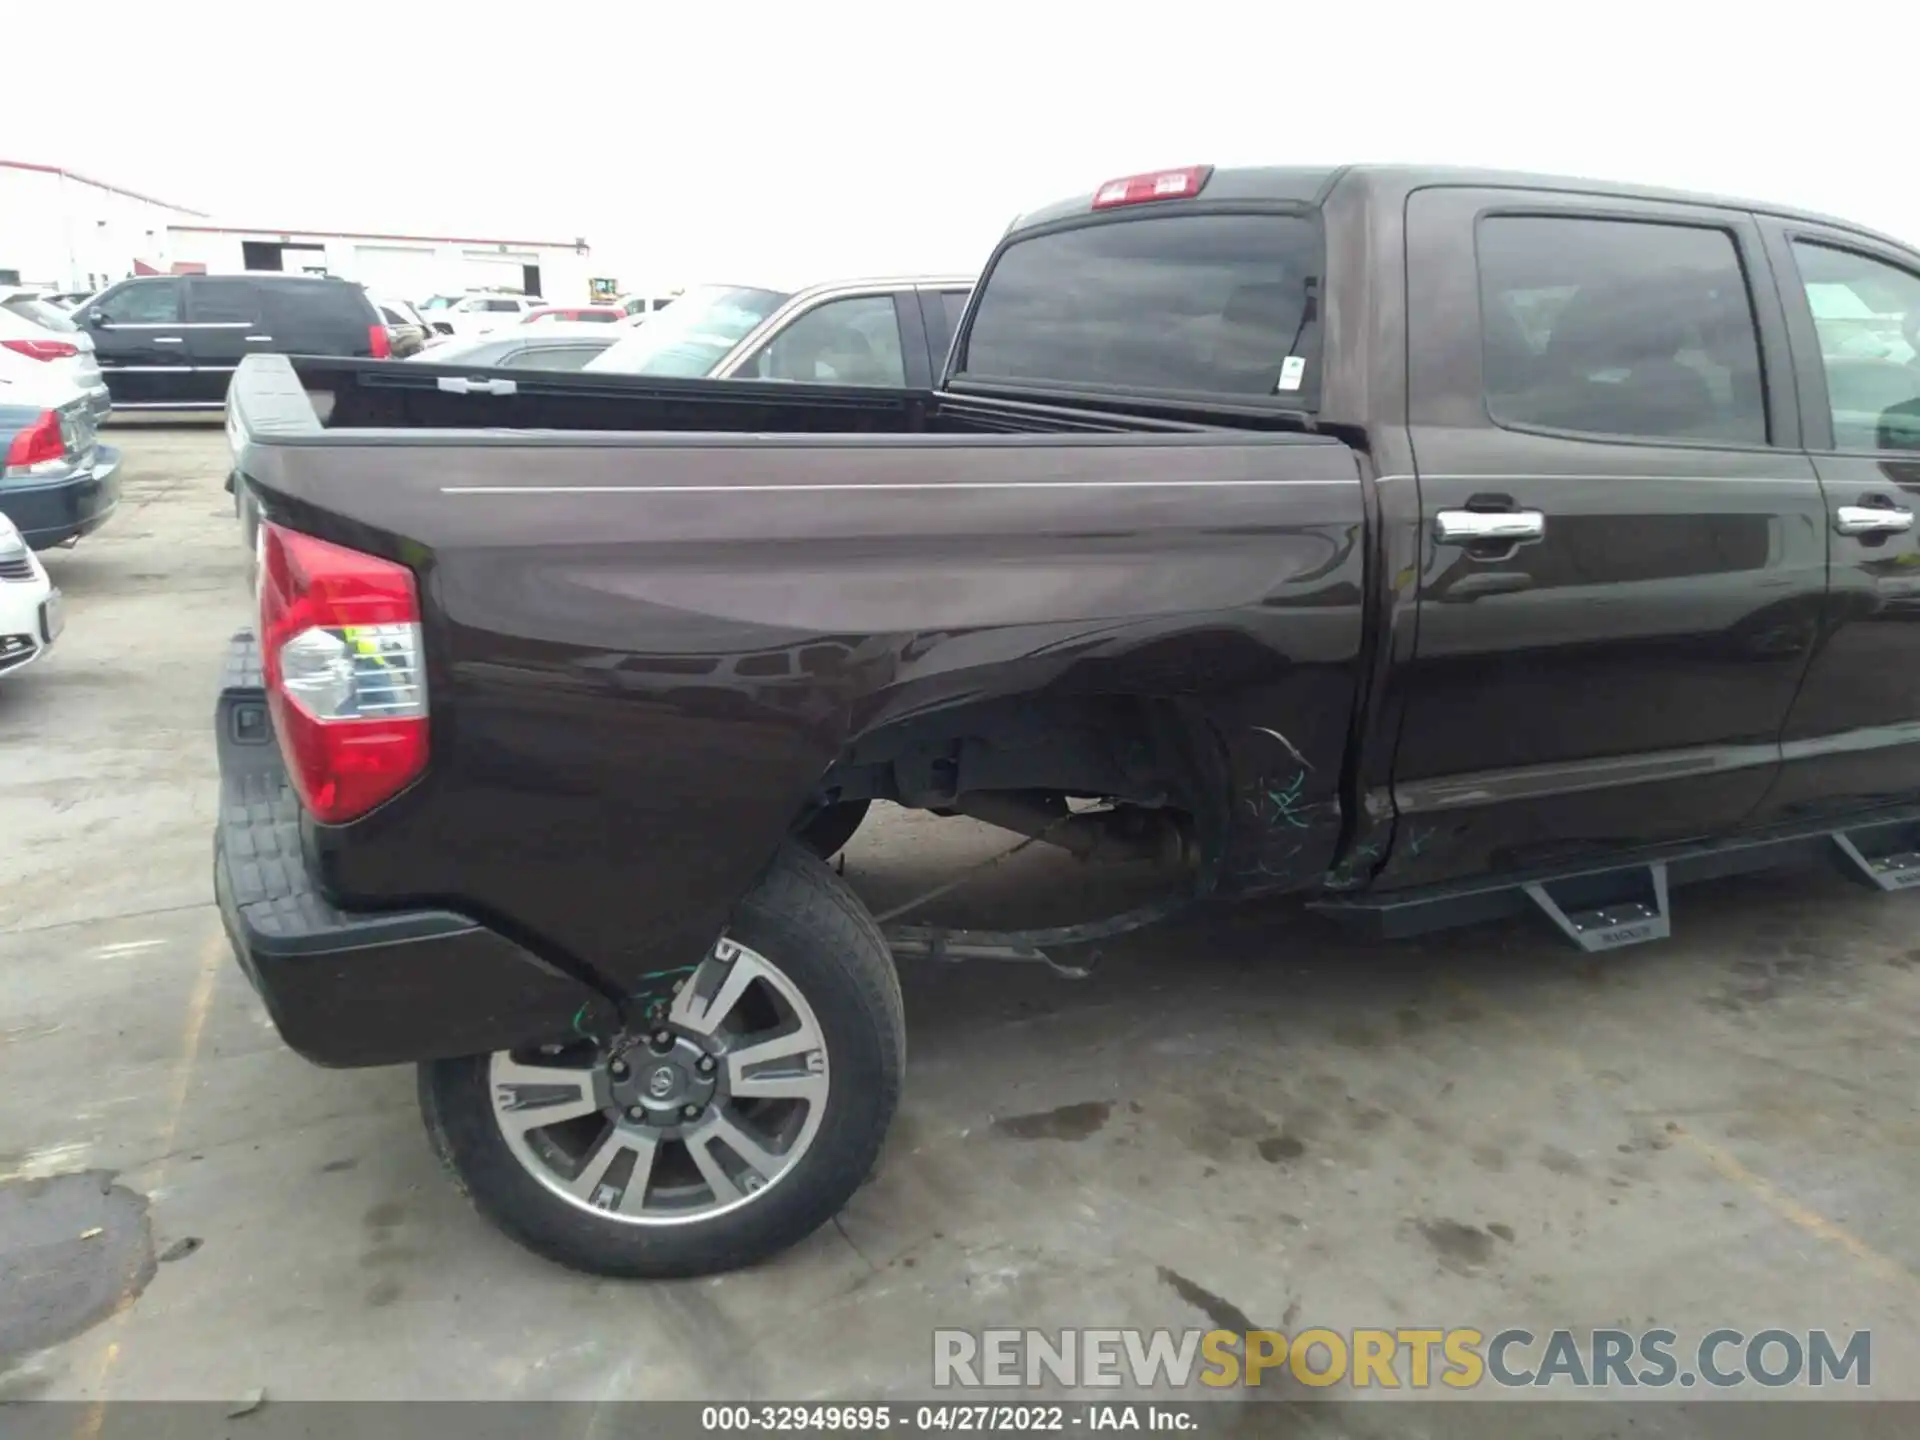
[410, 267]
[62, 231]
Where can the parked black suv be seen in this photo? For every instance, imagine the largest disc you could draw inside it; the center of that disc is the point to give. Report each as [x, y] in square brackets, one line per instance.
[171, 342]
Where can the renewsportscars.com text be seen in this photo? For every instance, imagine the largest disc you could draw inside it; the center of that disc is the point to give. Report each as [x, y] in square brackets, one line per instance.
[1461, 1358]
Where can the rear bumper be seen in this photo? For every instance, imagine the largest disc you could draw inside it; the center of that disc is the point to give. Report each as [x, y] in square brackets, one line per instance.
[351, 988]
[54, 512]
[29, 620]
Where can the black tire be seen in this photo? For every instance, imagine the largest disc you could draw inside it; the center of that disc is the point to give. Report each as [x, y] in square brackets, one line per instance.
[829, 828]
[805, 920]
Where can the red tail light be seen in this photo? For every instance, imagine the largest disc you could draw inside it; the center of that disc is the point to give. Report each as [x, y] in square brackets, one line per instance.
[37, 448]
[381, 341]
[42, 349]
[1154, 185]
[340, 643]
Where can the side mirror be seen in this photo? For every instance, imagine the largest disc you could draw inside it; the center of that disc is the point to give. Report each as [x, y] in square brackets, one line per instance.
[94, 319]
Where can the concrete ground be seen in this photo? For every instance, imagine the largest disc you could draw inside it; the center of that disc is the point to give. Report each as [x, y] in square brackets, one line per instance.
[1246, 1119]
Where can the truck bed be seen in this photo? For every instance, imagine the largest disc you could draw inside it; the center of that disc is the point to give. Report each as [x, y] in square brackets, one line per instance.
[344, 394]
[667, 617]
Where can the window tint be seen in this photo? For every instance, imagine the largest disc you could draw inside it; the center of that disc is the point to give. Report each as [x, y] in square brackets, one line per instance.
[691, 337]
[393, 316]
[954, 302]
[552, 357]
[1867, 315]
[1214, 304]
[143, 302]
[844, 342]
[301, 308]
[502, 307]
[1619, 327]
[225, 302]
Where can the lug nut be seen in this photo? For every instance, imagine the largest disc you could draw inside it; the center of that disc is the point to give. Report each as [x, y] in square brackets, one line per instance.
[705, 1066]
[663, 1038]
[692, 1112]
[617, 1069]
[635, 1112]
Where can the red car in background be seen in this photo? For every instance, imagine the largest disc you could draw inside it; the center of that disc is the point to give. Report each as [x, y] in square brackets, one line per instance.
[602, 314]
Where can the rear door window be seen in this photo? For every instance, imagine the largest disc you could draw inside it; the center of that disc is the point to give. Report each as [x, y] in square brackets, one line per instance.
[224, 302]
[1618, 327]
[1199, 304]
[954, 303]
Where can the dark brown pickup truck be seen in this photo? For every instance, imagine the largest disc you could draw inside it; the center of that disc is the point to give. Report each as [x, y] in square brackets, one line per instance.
[1433, 545]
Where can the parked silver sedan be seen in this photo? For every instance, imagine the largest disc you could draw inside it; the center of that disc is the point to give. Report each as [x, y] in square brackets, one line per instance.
[554, 345]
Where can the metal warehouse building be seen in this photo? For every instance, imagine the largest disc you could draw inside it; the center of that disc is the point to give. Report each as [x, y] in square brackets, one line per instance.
[62, 231]
[413, 266]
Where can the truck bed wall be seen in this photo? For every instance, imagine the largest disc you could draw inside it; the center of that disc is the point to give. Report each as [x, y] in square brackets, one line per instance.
[645, 651]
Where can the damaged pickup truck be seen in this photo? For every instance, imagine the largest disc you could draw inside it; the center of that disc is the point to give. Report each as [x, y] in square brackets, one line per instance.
[1433, 545]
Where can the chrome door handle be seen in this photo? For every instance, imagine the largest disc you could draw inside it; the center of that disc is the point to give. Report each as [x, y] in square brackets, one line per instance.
[1463, 527]
[461, 385]
[168, 340]
[259, 337]
[1871, 520]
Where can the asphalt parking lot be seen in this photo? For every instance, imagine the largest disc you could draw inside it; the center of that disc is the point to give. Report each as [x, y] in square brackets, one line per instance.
[1246, 1119]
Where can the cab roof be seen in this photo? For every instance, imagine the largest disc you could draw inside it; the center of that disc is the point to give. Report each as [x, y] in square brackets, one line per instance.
[1310, 185]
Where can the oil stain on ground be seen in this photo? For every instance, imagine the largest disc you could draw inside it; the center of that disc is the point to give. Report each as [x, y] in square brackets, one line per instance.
[73, 1248]
[1224, 1313]
[1461, 1248]
[1067, 1122]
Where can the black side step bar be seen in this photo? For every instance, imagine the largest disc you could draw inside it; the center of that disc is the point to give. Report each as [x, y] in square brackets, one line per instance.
[1627, 902]
[1887, 857]
[1602, 912]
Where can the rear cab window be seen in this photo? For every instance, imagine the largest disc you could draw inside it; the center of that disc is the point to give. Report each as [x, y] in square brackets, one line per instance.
[1167, 299]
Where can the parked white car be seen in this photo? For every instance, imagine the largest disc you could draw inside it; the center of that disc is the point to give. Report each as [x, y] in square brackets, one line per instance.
[482, 314]
[30, 612]
[41, 334]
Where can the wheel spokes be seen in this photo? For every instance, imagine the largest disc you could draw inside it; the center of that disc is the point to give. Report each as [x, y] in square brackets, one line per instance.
[762, 1164]
[589, 1183]
[530, 1097]
[714, 989]
[791, 1066]
[583, 1123]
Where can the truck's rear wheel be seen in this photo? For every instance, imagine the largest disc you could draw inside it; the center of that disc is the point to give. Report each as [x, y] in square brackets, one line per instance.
[829, 828]
[734, 1127]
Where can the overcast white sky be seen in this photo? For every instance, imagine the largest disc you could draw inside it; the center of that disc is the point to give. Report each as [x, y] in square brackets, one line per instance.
[808, 140]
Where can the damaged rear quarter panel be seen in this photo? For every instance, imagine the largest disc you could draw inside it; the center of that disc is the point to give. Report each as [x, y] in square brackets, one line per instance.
[643, 655]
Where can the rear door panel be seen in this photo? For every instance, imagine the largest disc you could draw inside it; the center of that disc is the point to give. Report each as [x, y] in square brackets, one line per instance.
[1623, 680]
[1853, 738]
[224, 325]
